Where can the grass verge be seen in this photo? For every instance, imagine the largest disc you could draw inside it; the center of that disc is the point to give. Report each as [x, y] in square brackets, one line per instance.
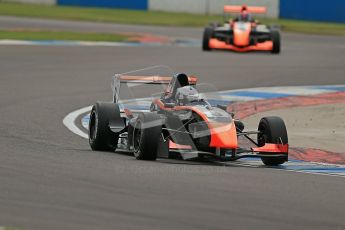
[154, 17]
[105, 15]
[60, 35]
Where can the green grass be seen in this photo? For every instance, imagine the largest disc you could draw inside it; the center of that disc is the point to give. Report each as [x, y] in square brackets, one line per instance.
[60, 35]
[154, 18]
[8, 228]
[105, 15]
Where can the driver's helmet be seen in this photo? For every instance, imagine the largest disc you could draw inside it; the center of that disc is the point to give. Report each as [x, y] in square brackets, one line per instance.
[245, 16]
[186, 94]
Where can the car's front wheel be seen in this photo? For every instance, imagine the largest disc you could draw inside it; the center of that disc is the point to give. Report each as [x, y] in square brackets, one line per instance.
[275, 35]
[272, 130]
[208, 33]
[146, 134]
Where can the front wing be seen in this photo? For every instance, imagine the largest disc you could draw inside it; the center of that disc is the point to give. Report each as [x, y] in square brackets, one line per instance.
[214, 43]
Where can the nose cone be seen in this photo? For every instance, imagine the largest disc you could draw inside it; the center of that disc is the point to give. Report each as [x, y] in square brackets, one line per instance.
[224, 136]
[242, 34]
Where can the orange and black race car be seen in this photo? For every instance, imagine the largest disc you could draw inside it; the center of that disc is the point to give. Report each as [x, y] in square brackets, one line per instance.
[181, 123]
[242, 33]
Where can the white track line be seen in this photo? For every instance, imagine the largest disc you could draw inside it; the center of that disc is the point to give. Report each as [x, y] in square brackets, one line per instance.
[70, 119]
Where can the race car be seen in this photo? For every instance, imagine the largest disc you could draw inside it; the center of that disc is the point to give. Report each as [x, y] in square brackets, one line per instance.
[243, 33]
[180, 123]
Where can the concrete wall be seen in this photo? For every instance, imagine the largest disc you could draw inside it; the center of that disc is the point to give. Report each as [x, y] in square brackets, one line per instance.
[313, 10]
[45, 2]
[189, 6]
[124, 4]
[211, 6]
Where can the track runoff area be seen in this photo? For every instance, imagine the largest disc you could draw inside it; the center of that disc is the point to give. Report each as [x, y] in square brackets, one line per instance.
[77, 121]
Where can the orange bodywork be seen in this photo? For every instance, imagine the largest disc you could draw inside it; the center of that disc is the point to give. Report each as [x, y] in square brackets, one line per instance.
[242, 34]
[173, 145]
[272, 148]
[264, 46]
[249, 9]
[222, 135]
[128, 113]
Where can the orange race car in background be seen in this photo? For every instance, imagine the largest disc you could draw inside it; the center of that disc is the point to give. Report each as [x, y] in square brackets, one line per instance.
[242, 33]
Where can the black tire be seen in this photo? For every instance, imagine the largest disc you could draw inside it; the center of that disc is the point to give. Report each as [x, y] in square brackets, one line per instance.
[147, 131]
[239, 125]
[272, 130]
[275, 35]
[208, 33]
[101, 138]
[163, 147]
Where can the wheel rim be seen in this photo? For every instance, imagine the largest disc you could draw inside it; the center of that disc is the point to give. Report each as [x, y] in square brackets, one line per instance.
[262, 136]
[262, 140]
[93, 126]
[137, 138]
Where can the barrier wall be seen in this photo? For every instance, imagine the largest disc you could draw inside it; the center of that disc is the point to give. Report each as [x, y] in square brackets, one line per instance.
[313, 10]
[187, 6]
[124, 4]
[211, 6]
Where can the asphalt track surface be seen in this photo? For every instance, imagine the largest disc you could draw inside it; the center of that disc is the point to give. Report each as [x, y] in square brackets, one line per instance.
[50, 179]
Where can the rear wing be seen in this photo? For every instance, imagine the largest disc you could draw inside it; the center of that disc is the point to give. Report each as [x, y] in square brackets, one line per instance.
[131, 79]
[151, 79]
[248, 9]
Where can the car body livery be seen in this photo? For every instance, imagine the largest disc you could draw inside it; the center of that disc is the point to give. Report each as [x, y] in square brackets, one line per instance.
[242, 33]
[190, 129]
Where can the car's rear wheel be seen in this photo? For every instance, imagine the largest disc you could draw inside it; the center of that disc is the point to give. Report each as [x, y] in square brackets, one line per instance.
[147, 131]
[272, 130]
[275, 35]
[101, 138]
[208, 33]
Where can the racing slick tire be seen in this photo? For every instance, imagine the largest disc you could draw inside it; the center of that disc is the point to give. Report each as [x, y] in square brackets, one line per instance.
[275, 35]
[101, 138]
[208, 33]
[272, 130]
[147, 132]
